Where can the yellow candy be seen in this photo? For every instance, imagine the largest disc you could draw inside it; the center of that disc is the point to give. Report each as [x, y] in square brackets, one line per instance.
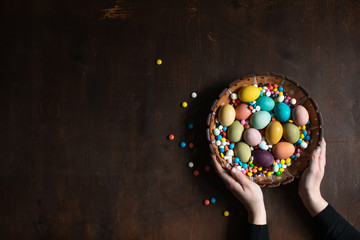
[260, 88]
[299, 128]
[250, 162]
[302, 136]
[288, 161]
[274, 163]
[275, 89]
[184, 104]
[260, 168]
[158, 61]
[223, 139]
[222, 155]
[249, 174]
[268, 174]
[226, 213]
[282, 161]
[290, 121]
[303, 127]
[281, 93]
[281, 169]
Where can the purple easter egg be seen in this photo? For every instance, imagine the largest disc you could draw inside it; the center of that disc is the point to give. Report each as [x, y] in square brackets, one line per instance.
[263, 158]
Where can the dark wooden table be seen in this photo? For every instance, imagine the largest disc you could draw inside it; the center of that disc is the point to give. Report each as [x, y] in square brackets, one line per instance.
[85, 112]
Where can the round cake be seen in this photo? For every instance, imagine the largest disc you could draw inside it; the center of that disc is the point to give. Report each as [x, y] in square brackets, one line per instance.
[266, 126]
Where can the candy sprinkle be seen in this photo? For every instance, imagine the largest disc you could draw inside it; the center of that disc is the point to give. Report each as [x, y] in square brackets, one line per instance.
[184, 104]
[158, 61]
[191, 145]
[190, 164]
[196, 172]
[206, 202]
[182, 144]
[213, 200]
[226, 213]
[190, 126]
[193, 95]
[171, 137]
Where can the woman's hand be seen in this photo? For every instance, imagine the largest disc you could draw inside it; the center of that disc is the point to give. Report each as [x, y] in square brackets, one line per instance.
[309, 185]
[249, 193]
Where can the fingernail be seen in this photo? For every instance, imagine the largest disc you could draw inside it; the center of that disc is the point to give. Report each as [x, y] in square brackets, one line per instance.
[233, 170]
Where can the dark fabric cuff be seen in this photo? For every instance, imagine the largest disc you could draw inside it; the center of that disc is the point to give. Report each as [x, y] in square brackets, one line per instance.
[258, 232]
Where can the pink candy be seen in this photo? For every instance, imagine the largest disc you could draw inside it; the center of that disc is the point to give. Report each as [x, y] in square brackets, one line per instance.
[243, 171]
[277, 160]
[276, 92]
[243, 122]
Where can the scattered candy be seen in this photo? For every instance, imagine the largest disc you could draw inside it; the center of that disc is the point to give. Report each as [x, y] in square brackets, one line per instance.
[158, 61]
[191, 145]
[226, 213]
[191, 164]
[190, 126]
[182, 144]
[184, 104]
[213, 200]
[171, 137]
[196, 172]
[206, 202]
[193, 95]
[207, 168]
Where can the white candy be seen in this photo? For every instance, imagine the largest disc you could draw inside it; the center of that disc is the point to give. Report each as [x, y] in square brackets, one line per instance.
[257, 108]
[297, 155]
[253, 111]
[229, 152]
[191, 164]
[293, 101]
[254, 102]
[263, 145]
[233, 96]
[270, 146]
[239, 168]
[220, 127]
[223, 143]
[303, 145]
[218, 142]
[251, 148]
[276, 168]
[255, 85]
[264, 87]
[268, 94]
[193, 95]
[281, 98]
[284, 166]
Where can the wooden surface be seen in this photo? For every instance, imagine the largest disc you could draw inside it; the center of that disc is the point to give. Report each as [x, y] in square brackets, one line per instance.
[85, 112]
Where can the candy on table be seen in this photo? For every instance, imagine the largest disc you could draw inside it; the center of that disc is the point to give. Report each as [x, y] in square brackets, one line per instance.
[212, 200]
[196, 172]
[191, 145]
[206, 202]
[226, 213]
[193, 94]
[182, 144]
[190, 164]
[207, 168]
[158, 61]
[190, 126]
[184, 104]
[171, 137]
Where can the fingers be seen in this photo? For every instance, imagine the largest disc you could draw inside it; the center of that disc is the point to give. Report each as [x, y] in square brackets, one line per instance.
[228, 180]
[323, 154]
[240, 177]
[314, 163]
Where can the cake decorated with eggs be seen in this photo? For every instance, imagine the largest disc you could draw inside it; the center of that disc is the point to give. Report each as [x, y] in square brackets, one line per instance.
[266, 126]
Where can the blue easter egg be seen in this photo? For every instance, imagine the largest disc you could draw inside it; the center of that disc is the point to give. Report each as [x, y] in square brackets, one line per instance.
[282, 112]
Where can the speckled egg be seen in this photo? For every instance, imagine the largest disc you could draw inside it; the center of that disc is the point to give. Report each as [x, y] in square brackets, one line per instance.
[266, 103]
[274, 132]
[260, 120]
[282, 112]
[291, 132]
[249, 93]
[226, 115]
[300, 115]
[242, 151]
[242, 111]
[283, 150]
[252, 136]
[235, 131]
[263, 158]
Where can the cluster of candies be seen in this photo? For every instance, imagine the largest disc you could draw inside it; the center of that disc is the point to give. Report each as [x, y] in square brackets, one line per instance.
[262, 130]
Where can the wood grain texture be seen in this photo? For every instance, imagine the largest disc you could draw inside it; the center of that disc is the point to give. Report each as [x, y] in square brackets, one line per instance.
[85, 112]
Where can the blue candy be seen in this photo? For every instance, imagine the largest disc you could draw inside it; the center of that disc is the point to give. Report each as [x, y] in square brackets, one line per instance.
[237, 160]
[182, 144]
[190, 126]
[218, 137]
[212, 200]
[245, 166]
[224, 128]
[221, 150]
[281, 89]
[231, 146]
[307, 138]
[292, 156]
[304, 132]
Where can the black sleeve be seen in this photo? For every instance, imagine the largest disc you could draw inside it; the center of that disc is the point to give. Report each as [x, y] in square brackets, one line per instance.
[258, 232]
[329, 224]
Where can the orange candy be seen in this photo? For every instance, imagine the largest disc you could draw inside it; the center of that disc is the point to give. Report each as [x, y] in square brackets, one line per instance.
[191, 145]
[246, 126]
[171, 137]
[206, 202]
[196, 172]
[226, 148]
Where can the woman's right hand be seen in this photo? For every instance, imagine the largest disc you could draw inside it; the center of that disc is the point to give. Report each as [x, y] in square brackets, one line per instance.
[309, 185]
